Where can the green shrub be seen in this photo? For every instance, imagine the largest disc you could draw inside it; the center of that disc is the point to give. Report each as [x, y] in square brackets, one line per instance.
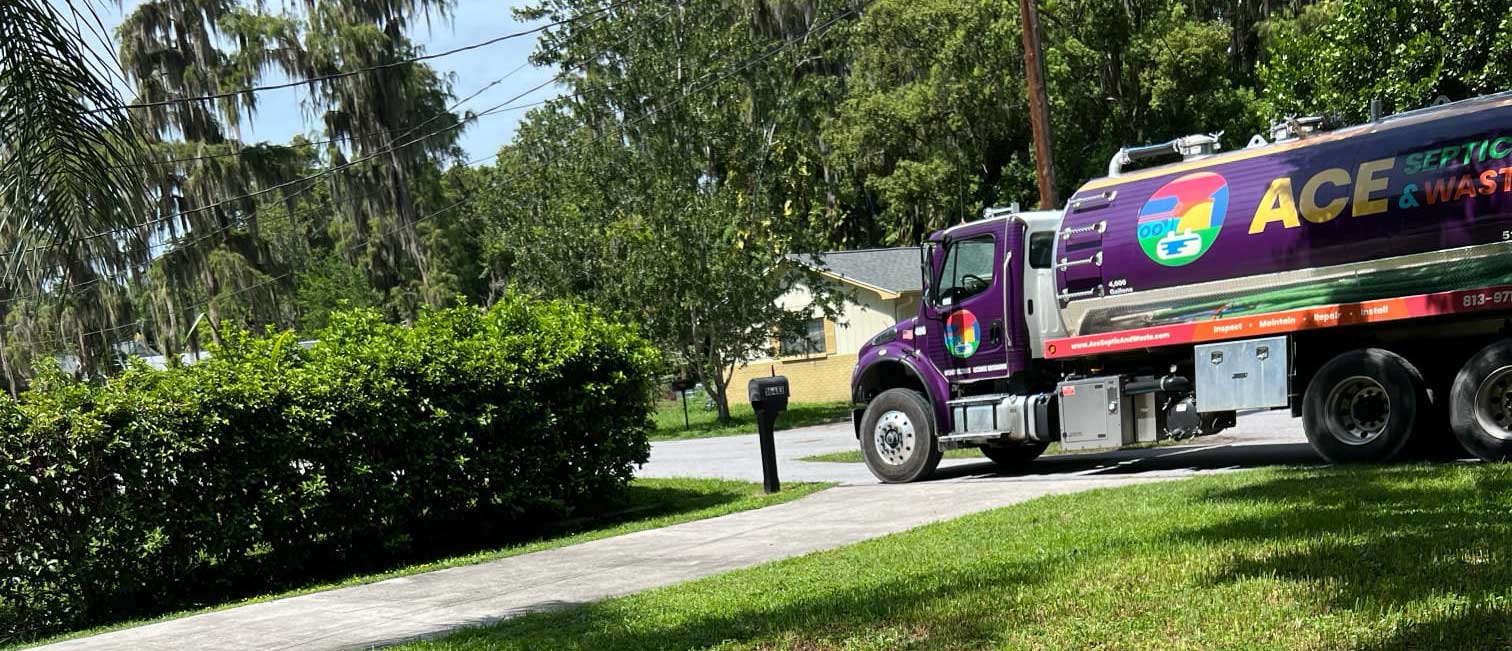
[162, 489]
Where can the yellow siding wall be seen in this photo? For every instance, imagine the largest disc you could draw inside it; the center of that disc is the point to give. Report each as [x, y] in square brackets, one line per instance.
[812, 379]
[862, 313]
[826, 377]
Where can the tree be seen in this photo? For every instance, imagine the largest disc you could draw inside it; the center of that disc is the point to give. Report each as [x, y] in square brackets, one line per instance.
[1338, 55]
[668, 186]
[71, 186]
[934, 125]
[389, 129]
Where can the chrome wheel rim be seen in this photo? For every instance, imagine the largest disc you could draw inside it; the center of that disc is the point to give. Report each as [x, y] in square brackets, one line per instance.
[1493, 403]
[894, 438]
[1359, 409]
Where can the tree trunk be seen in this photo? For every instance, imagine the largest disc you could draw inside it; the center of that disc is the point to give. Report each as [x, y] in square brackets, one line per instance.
[722, 401]
[722, 375]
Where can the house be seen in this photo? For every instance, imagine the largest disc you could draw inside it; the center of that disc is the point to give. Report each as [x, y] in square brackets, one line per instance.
[879, 287]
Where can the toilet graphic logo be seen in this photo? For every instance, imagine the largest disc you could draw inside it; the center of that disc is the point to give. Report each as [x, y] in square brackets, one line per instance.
[962, 334]
[1182, 219]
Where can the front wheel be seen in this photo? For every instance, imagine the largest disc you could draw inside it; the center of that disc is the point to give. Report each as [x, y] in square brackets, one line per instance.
[898, 437]
[1363, 406]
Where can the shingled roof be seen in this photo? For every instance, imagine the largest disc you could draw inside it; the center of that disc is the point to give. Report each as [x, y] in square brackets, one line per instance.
[893, 270]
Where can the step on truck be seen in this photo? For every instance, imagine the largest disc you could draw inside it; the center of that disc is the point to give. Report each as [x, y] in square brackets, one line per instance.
[1360, 277]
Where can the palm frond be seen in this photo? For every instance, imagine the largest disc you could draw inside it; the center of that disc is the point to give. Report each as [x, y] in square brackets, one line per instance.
[71, 163]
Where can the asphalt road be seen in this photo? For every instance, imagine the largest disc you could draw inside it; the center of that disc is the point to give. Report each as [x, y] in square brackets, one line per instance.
[1260, 439]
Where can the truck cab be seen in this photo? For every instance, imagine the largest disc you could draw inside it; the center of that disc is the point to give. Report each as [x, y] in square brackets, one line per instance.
[987, 307]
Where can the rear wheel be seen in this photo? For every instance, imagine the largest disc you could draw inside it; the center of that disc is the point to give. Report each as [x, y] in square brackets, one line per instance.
[1480, 403]
[1363, 406]
[1009, 457]
[898, 437]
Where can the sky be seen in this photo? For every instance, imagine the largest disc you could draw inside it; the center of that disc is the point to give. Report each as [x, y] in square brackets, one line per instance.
[280, 115]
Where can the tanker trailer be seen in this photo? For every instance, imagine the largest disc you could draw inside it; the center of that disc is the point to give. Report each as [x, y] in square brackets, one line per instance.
[1360, 277]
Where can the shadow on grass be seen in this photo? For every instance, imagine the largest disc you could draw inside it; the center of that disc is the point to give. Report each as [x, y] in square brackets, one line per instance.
[1410, 557]
[1380, 539]
[888, 613]
[1195, 456]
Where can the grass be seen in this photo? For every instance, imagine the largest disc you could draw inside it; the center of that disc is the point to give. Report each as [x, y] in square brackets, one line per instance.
[704, 423]
[1406, 557]
[646, 504]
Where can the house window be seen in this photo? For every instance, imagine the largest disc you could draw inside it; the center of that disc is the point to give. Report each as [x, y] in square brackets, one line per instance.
[807, 339]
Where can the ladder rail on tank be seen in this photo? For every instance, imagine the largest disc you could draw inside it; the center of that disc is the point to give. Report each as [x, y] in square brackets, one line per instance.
[1079, 258]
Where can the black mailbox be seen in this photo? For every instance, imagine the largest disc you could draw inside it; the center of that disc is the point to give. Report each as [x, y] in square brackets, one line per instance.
[769, 397]
[768, 393]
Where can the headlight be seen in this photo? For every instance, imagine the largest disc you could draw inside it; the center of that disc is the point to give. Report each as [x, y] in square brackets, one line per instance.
[886, 336]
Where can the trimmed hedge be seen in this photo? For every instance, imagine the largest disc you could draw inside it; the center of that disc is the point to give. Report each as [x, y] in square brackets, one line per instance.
[270, 461]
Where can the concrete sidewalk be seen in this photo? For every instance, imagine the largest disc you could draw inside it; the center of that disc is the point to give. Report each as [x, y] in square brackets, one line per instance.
[429, 605]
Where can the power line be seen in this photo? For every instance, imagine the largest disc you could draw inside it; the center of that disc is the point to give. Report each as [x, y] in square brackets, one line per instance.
[328, 141]
[368, 69]
[729, 72]
[656, 109]
[315, 178]
[494, 110]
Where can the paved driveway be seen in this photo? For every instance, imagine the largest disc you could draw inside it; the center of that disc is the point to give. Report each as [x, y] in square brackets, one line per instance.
[1264, 438]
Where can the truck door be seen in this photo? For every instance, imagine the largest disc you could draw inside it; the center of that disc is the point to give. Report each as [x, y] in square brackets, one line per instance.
[966, 309]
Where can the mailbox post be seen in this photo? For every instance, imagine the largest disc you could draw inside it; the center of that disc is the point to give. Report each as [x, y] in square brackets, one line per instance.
[769, 397]
[681, 386]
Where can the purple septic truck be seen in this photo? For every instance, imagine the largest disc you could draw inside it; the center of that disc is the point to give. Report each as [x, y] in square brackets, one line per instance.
[1361, 277]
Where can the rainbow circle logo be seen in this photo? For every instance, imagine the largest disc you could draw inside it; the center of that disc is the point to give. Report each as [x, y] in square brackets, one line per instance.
[962, 334]
[1182, 219]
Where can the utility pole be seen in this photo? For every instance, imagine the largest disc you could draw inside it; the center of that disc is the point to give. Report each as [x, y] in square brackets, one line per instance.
[1039, 104]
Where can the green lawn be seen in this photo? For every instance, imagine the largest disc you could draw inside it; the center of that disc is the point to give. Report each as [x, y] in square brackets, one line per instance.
[646, 504]
[704, 422]
[1405, 557]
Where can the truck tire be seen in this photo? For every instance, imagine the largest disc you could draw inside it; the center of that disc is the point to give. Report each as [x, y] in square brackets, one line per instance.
[1479, 403]
[1363, 406]
[898, 437]
[1009, 457]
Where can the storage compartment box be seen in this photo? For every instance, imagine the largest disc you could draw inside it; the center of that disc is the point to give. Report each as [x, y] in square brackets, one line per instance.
[1095, 414]
[1250, 374]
